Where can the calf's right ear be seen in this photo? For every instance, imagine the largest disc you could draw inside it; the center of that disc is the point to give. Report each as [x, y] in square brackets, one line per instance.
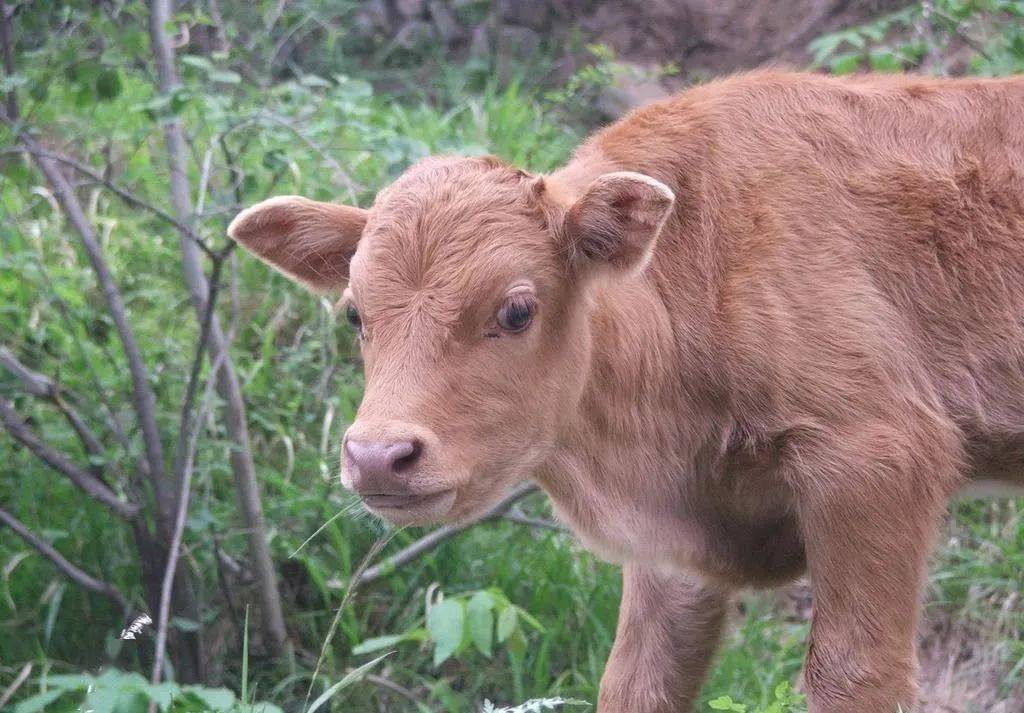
[309, 241]
[616, 221]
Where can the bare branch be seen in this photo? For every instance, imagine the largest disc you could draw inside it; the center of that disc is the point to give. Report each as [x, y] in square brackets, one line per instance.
[85, 481]
[242, 465]
[187, 466]
[67, 569]
[44, 387]
[340, 175]
[188, 404]
[22, 676]
[217, 18]
[32, 382]
[520, 518]
[143, 397]
[7, 47]
[122, 193]
[431, 540]
[389, 685]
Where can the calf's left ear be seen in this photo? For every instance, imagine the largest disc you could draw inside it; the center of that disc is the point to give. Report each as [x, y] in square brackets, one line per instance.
[617, 220]
[309, 241]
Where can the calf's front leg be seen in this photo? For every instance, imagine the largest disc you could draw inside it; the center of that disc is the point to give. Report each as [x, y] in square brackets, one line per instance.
[669, 627]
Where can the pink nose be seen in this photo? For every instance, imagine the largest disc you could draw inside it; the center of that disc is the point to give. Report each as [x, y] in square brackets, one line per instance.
[379, 468]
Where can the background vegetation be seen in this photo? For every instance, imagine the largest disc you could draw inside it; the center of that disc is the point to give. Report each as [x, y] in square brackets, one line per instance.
[306, 97]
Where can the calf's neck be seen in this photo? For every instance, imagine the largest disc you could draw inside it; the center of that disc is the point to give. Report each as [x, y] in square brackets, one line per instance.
[766, 327]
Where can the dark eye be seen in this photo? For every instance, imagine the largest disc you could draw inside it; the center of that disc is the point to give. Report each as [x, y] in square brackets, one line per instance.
[352, 315]
[516, 314]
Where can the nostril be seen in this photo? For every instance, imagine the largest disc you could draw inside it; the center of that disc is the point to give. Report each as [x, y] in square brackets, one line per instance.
[412, 449]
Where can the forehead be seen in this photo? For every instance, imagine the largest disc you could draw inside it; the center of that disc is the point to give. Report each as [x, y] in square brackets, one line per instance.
[453, 227]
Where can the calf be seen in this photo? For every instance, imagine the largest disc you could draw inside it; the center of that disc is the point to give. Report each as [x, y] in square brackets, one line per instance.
[767, 326]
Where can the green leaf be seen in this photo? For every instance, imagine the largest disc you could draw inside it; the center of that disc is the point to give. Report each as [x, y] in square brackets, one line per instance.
[517, 643]
[12, 82]
[52, 611]
[529, 619]
[116, 691]
[225, 76]
[183, 624]
[108, 84]
[39, 701]
[217, 699]
[480, 617]
[377, 643]
[264, 707]
[846, 63]
[446, 623]
[507, 621]
[725, 703]
[163, 694]
[312, 80]
[70, 682]
[351, 678]
[883, 60]
[197, 61]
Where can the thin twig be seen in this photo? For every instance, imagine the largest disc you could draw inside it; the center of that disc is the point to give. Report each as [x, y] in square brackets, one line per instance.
[69, 570]
[389, 685]
[431, 540]
[43, 387]
[85, 481]
[183, 497]
[188, 404]
[143, 397]
[142, 392]
[111, 418]
[340, 174]
[242, 465]
[7, 47]
[122, 193]
[520, 518]
[222, 559]
[22, 676]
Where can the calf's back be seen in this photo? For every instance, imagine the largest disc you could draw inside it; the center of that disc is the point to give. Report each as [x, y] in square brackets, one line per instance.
[838, 244]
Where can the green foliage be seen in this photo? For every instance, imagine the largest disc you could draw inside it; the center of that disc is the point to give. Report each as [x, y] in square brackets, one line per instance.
[471, 620]
[932, 36]
[576, 98]
[116, 691]
[785, 701]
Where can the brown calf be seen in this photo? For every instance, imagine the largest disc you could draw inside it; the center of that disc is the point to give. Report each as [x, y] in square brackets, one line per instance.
[767, 326]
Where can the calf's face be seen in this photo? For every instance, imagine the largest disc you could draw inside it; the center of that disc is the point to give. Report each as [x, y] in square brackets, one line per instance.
[468, 282]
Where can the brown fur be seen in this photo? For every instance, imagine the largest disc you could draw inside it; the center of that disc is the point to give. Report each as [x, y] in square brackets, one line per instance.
[792, 366]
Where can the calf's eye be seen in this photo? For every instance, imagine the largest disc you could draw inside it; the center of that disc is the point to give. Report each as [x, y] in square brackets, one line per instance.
[352, 315]
[516, 314]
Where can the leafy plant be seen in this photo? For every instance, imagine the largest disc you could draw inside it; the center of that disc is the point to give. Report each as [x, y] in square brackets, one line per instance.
[471, 620]
[785, 701]
[929, 36]
[577, 96]
[115, 691]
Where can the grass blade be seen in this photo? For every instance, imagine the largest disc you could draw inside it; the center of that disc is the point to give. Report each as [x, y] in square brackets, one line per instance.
[352, 677]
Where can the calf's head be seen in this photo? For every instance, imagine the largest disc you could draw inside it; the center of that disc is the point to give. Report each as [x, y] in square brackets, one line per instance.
[468, 283]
